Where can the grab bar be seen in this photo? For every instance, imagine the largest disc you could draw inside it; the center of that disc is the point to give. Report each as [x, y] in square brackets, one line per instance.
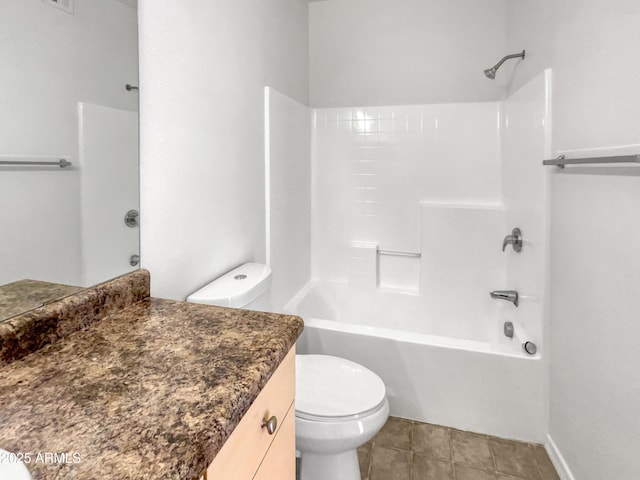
[399, 254]
[561, 161]
[62, 163]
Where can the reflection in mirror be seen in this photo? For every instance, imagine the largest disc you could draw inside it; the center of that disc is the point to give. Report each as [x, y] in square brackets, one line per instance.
[63, 95]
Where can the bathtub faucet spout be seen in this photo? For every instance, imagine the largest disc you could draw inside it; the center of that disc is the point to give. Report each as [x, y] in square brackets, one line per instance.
[508, 295]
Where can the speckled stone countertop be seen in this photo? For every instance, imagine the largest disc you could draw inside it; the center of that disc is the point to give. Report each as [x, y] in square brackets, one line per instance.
[32, 330]
[150, 392]
[18, 297]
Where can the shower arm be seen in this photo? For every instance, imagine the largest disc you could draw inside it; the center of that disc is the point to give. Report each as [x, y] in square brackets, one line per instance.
[508, 57]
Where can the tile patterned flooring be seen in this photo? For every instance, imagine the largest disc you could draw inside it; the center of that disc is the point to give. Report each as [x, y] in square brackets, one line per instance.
[407, 450]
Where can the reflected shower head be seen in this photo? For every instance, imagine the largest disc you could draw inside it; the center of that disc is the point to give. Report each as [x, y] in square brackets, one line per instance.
[491, 72]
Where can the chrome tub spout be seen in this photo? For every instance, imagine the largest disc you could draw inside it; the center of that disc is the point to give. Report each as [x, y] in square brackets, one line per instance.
[508, 295]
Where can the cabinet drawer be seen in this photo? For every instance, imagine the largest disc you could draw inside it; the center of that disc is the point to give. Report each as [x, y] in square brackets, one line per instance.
[241, 455]
[280, 461]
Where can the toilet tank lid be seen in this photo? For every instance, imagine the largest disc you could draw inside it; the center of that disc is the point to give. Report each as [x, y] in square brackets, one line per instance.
[237, 288]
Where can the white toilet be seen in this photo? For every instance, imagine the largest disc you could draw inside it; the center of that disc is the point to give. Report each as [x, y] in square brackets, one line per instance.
[11, 468]
[340, 405]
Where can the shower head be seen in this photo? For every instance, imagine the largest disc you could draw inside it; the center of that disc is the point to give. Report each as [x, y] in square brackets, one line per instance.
[491, 72]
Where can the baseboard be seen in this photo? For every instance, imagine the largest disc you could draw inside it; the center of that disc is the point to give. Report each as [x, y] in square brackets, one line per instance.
[558, 460]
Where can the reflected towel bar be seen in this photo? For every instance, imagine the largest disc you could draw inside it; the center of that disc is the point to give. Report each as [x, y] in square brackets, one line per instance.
[561, 161]
[62, 163]
[399, 254]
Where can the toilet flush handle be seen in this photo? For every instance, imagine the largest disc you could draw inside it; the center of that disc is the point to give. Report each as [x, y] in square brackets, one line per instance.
[271, 425]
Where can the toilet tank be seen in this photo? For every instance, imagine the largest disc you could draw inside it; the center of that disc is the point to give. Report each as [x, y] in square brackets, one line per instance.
[247, 286]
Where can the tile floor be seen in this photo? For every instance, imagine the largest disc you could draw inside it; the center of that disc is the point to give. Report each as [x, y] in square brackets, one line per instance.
[407, 450]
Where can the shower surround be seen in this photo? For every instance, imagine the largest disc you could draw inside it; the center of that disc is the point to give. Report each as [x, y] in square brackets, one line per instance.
[410, 205]
[407, 209]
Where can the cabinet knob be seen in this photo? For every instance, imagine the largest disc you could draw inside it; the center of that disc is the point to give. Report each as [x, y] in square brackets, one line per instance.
[271, 425]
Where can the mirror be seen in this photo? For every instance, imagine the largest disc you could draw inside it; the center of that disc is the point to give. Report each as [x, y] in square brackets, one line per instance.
[63, 95]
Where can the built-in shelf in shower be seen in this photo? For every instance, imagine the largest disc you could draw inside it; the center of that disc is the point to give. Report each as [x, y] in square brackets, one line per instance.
[398, 271]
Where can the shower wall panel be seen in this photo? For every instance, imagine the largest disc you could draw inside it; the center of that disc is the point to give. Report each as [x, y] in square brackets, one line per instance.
[373, 166]
[288, 194]
[526, 138]
[108, 164]
[461, 263]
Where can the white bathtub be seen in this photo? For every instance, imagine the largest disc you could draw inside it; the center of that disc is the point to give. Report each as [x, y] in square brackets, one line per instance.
[485, 384]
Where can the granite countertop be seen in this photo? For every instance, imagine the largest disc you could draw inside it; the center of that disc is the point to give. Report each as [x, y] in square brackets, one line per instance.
[18, 297]
[149, 392]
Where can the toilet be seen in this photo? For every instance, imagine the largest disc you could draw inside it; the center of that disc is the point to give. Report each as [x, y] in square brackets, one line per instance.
[11, 468]
[340, 405]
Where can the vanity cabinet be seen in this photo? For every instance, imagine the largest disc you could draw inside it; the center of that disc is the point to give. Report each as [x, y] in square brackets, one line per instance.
[262, 446]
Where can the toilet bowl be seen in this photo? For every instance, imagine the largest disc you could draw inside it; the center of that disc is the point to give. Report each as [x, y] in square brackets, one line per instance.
[340, 405]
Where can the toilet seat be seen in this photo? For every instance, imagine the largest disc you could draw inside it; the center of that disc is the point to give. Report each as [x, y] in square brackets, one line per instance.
[335, 389]
[318, 418]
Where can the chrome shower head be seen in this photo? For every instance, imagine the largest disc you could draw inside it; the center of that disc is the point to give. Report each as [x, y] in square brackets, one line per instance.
[491, 72]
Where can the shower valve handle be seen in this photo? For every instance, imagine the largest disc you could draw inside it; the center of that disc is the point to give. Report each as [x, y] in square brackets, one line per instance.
[514, 239]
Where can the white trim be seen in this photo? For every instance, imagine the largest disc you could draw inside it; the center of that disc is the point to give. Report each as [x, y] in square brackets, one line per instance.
[267, 174]
[558, 460]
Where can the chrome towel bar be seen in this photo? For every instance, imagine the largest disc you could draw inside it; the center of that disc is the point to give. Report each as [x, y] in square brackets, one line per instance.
[561, 161]
[62, 163]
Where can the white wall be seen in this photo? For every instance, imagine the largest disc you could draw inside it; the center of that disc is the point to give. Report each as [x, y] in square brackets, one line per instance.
[203, 68]
[383, 52]
[595, 362]
[286, 47]
[288, 183]
[51, 61]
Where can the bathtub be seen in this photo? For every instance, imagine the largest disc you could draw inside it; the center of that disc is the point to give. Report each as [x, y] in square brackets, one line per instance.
[435, 371]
